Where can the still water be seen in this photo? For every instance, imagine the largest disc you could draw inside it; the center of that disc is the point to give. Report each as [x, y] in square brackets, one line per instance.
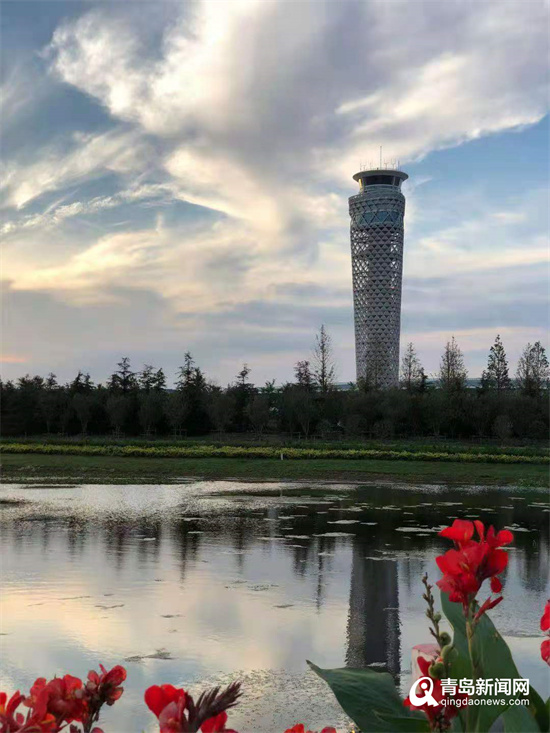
[212, 581]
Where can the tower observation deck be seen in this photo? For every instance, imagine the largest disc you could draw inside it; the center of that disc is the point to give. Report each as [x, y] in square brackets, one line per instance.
[376, 234]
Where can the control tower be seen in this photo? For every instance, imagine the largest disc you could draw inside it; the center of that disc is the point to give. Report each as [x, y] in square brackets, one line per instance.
[376, 233]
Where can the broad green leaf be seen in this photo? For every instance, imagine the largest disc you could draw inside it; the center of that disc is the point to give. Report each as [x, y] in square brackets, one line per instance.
[540, 709]
[518, 719]
[368, 697]
[493, 660]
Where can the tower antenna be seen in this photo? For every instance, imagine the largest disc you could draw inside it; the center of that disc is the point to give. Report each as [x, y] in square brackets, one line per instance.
[380, 156]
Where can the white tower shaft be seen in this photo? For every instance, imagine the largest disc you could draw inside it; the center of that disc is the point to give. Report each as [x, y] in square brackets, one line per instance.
[376, 233]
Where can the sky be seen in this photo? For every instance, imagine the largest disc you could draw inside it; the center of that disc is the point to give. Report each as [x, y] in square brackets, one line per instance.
[175, 178]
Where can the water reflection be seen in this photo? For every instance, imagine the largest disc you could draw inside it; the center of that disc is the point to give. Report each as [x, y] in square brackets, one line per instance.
[211, 579]
[373, 619]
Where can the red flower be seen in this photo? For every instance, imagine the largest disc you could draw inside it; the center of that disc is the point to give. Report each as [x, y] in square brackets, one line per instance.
[545, 619]
[9, 719]
[172, 718]
[65, 697]
[216, 725]
[158, 697]
[37, 720]
[105, 687]
[467, 566]
[545, 626]
[460, 532]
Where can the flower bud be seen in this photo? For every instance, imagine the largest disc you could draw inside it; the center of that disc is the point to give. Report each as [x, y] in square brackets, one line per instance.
[445, 638]
[437, 617]
[447, 649]
[436, 670]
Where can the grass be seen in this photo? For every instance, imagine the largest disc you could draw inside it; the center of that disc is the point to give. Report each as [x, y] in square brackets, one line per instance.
[255, 452]
[33, 467]
[276, 442]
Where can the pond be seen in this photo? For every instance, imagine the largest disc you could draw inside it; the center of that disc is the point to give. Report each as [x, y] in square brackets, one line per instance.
[205, 582]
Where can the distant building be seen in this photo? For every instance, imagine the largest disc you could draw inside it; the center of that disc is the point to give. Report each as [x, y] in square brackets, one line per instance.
[376, 233]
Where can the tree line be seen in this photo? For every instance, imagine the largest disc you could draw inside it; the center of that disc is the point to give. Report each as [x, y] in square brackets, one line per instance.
[133, 403]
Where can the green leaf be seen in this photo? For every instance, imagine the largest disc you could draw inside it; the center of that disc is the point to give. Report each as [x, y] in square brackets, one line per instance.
[518, 719]
[370, 699]
[540, 709]
[493, 659]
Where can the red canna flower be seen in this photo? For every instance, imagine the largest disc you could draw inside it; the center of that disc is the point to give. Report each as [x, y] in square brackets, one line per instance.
[545, 626]
[158, 697]
[216, 725]
[37, 720]
[172, 718]
[460, 532]
[545, 619]
[9, 719]
[65, 697]
[105, 687]
[466, 567]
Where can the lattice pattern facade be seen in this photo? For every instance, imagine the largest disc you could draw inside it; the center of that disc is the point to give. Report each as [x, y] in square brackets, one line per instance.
[377, 263]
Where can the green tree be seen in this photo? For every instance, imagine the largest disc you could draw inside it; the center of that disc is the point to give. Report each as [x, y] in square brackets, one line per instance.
[191, 383]
[50, 401]
[221, 408]
[324, 369]
[82, 404]
[123, 379]
[412, 373]
[150, 411]
[177, 410]
[303, 375]
[452, 371]
[159, 381]
[118, 409]
[146, 378]
[258, 412]
[496, 375]
[533, 372]
[82, 383]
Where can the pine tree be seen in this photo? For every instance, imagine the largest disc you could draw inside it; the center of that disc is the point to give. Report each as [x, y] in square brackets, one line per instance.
[159, 380]
[124, 379]
[324, 371]
[533, 370]
[412, 373]
[146, 378]
[303, 375]
[185, 372]
[496, 375]
[452, 372]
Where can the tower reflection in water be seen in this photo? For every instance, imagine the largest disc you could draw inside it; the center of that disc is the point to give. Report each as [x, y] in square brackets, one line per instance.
[373, 637]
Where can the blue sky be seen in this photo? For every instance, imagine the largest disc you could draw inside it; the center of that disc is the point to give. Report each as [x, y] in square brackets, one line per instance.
[176, 178]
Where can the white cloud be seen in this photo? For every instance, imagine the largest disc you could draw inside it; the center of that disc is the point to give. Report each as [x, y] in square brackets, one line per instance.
[261, 110]
[302, 95]
[117, 151]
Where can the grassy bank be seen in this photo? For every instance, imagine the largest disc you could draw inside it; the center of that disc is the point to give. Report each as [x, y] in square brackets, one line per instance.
[282, 442]
[35, 467]
[258, 452]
